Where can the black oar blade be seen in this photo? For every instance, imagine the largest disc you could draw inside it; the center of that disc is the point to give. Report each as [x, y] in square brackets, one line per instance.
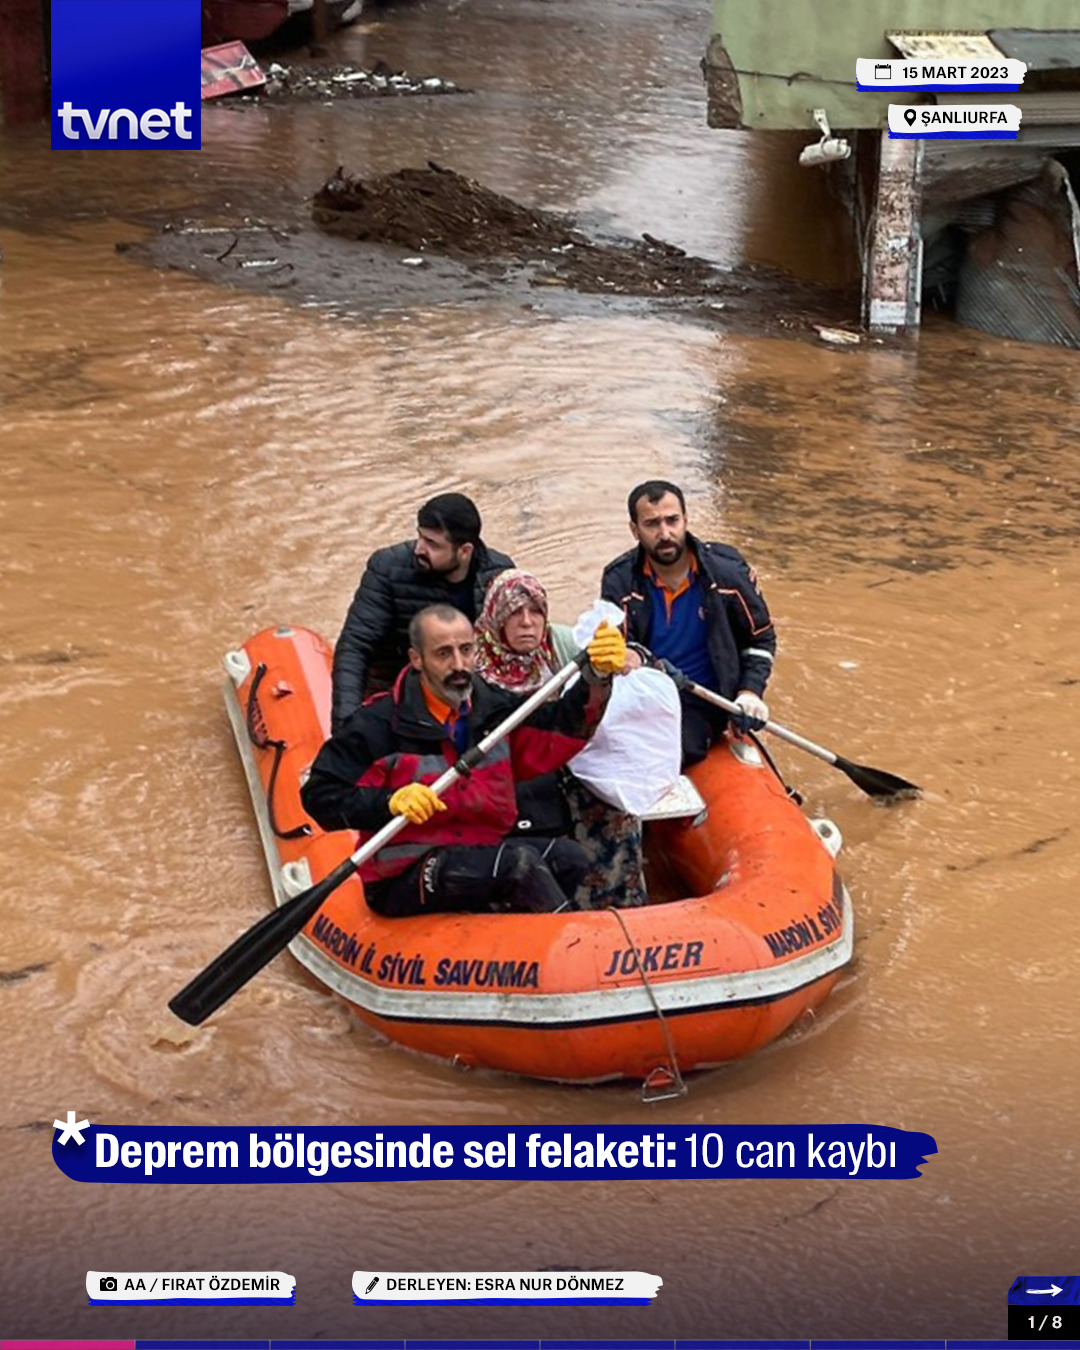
[261, 943]
[877, 783]
[251, 951]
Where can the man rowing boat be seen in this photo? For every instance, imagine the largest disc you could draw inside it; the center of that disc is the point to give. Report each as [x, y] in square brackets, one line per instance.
[457, 853]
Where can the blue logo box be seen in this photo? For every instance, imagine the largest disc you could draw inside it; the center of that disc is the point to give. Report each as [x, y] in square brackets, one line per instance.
[126, 75]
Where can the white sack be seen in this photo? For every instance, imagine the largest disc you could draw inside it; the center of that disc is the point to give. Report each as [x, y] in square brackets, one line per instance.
[633, 757]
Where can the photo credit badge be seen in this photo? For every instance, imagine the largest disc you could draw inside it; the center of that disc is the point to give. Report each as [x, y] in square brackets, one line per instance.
[126, 75]
[954, 121]
[183, 1287]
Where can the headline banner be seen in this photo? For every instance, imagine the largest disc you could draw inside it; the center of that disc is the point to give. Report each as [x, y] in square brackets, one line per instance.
[205, 1154]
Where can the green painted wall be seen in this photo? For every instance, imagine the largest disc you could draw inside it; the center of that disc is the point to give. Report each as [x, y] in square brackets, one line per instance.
[796, 55]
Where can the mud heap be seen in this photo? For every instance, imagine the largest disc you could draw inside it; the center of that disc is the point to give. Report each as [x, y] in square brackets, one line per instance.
[434, 209]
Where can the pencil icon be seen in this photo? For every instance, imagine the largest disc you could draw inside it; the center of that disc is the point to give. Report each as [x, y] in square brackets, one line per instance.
[371, 1286]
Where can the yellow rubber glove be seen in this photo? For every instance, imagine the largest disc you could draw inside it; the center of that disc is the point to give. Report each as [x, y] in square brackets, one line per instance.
[416, 802]
[607, 650]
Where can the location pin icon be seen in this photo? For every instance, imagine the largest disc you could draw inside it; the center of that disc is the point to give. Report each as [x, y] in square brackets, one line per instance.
[909, 115]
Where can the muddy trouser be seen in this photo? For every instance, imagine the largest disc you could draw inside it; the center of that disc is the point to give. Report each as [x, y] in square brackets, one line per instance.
[537, 875]
[702, 724]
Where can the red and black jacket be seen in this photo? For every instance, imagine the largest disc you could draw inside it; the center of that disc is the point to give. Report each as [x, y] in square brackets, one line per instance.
[393, 740]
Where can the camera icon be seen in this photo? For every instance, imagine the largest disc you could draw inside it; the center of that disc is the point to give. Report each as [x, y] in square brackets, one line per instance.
[107, 1284]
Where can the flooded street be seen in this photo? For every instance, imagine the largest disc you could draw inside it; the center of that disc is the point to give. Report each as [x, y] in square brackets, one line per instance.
[185, 462]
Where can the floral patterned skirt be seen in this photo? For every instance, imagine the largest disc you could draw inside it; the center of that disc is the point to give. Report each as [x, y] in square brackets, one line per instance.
[612, 841]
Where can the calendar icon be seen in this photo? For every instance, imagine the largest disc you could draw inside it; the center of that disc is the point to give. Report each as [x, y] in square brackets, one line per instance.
[883, 70]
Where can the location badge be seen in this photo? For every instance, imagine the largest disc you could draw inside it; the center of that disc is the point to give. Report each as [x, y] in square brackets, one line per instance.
[954, 121]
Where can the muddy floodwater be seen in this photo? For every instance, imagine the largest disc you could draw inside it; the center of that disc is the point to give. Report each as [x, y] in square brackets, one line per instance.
[186, 458]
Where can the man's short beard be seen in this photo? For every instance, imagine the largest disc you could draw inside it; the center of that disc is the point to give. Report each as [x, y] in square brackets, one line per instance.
[655, 555]
[426, 565]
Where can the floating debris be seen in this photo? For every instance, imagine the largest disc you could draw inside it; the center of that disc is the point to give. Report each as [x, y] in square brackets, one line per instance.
[310, 82]
[17, 976]
[228, 69]
[841, 337]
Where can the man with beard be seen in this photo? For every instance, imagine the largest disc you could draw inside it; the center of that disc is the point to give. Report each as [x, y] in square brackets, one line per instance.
[447, 564]
[456, 853]
[698, 606]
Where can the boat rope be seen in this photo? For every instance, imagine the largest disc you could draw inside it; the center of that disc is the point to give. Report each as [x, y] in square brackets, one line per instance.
[257, 732]
[794, 793]
[665, 1080]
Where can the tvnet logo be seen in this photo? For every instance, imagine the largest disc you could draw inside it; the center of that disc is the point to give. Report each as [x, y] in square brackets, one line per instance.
[126, 74]
[124, 125]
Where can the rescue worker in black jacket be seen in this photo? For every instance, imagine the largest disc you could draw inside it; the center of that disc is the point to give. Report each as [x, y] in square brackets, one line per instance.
[698, 606]
[447, 564]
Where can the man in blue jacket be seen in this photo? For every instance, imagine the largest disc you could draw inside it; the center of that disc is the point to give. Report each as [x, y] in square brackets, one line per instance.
[697, 605]
[448, 563]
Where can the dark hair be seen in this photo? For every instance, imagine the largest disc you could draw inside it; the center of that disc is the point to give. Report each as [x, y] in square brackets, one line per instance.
[652, 491]
[454, 514]
[447, 613]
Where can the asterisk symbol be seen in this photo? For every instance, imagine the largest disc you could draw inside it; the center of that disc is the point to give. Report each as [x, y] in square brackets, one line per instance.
[72, 1129]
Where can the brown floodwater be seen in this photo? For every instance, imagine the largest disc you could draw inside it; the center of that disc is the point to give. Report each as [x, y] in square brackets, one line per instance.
[183, 464]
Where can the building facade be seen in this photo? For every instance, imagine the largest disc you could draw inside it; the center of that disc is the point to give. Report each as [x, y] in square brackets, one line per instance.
[967, 209]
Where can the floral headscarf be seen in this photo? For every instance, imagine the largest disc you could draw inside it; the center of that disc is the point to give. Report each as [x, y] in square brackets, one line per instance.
[495, 662]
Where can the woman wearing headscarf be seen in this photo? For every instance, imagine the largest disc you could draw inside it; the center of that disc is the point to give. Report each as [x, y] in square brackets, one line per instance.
[517, 648]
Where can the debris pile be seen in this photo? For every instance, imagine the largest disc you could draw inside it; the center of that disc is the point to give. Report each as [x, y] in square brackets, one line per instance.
[311, 82]
[441, 211]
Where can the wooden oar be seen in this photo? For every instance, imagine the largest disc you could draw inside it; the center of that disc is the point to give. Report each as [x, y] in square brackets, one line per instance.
[254, 949]
[874, 782]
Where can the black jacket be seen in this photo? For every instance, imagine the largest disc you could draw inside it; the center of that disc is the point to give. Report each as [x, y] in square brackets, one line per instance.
[374, 641]
[742, 642]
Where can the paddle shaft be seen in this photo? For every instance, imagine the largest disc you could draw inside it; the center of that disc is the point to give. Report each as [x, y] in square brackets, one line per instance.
[792, 737]
[463, 766]
[229, 972]
[874, 782]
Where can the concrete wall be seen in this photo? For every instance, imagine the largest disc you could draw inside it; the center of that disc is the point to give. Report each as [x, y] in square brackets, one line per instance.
[792, 56]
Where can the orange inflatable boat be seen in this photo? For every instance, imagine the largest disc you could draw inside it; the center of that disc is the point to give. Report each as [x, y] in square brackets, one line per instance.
[749, 927]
